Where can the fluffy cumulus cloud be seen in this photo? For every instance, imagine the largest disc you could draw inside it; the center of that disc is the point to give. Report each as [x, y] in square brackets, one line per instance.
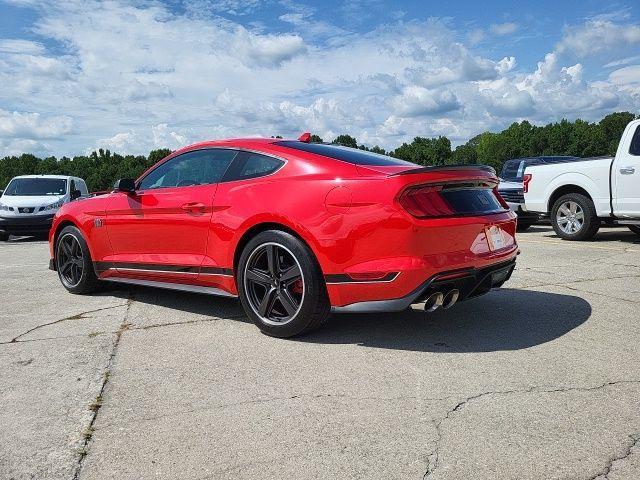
[598, 35]
[132, 77]
[32, 125]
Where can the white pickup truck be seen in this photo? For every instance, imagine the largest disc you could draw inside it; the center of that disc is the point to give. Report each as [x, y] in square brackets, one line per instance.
[579, 196]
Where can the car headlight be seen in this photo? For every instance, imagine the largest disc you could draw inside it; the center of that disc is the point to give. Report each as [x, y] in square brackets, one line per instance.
[5, 208]
[54, 206]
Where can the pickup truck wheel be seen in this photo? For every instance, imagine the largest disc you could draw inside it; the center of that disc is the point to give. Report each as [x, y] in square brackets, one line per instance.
[573, 217]
[635, 229]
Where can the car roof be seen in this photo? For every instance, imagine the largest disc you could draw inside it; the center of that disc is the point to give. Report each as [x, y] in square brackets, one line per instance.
[64, 177]
[230, 142]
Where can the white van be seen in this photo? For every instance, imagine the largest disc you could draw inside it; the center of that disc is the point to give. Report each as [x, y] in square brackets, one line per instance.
[29, 202]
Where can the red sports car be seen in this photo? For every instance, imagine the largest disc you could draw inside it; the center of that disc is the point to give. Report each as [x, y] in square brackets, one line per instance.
[295, 229]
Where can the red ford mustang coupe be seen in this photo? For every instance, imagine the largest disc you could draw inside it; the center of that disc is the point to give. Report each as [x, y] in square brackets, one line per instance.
[295, 229]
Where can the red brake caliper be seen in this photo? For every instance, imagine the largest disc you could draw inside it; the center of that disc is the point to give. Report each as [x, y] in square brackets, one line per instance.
[297, 286]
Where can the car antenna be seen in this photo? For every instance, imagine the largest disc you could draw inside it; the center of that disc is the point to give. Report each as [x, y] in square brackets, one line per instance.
[305, 137]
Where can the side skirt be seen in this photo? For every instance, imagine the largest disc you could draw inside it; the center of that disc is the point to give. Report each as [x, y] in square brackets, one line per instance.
[171, 286]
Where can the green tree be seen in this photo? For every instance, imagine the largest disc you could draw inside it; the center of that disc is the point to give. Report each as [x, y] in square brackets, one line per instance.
[612, 127]
[346, 141]
[425, 151]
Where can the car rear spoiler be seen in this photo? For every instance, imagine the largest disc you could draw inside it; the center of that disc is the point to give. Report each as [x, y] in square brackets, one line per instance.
[435, 168]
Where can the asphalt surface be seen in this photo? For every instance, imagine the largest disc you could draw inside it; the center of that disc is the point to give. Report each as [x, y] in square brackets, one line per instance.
[538, 380]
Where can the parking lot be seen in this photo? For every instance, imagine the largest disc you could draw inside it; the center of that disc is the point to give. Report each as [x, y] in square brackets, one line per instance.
[540, 379]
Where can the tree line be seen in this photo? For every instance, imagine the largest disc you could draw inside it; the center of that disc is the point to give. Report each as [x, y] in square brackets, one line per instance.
[579, 138]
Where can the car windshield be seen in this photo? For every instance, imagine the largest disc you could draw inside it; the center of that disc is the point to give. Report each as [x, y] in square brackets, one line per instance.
[346, 154]
[36, 187]
[513, 170]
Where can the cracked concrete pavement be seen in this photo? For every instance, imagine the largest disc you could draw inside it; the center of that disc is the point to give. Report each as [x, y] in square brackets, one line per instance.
[540, 379]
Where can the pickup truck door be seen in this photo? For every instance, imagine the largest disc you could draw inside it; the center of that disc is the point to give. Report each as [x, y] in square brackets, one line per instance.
[626, 176]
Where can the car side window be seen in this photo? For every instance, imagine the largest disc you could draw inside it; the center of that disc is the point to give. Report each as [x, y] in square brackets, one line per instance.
[72, 185]
[634, 149]
[199, 167]
[82, 187]
[253, 165]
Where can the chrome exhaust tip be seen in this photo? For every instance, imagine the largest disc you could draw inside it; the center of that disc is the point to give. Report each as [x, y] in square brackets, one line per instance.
[450, 298]
[433, 302]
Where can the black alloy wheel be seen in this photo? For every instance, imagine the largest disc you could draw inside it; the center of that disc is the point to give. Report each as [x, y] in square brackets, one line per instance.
[274, 283]
[70, 260]
[73, 262]
[281, 285]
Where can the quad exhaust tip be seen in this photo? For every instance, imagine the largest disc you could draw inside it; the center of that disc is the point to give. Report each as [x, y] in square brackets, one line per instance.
[433, 302]
[450, 298]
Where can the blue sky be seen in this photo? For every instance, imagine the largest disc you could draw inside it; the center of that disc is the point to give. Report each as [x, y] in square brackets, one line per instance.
[132, 76]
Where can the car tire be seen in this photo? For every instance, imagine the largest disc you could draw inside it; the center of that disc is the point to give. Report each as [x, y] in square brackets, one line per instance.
[73, 262]
[574, 217]
[635, 229]
[281, 286]
[4, 236]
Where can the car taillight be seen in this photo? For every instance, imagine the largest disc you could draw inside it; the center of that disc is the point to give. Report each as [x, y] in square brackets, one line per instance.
[525, 182]
[425, 201]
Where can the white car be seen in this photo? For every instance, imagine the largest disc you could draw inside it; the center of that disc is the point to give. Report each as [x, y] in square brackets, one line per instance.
[579, 196]
[29, 202]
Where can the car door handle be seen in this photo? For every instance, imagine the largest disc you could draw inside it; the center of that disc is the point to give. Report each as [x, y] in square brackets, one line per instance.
[627, 171]
[193, 207]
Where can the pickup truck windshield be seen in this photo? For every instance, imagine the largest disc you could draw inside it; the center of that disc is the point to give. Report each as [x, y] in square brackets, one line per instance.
[36, 187]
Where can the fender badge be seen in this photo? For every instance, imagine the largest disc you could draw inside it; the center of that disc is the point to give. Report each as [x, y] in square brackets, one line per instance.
[97, 222]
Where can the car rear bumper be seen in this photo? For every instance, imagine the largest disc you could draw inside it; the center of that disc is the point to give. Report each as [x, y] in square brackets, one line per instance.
[470, 282]
[396, 265]
[27, 225]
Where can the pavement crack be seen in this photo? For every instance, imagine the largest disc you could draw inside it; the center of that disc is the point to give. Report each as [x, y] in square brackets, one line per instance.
[434, 456]
[77, 316]
[187, 322]
[300, 396]
[632, 441]
[95, 406]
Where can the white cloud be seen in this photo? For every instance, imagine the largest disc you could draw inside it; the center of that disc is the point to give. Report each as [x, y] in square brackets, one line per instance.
[163, 137]
[120, 142]
[30, 125]
[505, 65]
[268, 50]
[596, 36]
[16, 45]
[18, 146]
[133, 77]
[417, 101]
[475, 36]
[627, 79]
[503, 28]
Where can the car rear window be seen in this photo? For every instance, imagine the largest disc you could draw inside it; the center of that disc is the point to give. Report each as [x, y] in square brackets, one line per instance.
[346, 154]
[512, 170]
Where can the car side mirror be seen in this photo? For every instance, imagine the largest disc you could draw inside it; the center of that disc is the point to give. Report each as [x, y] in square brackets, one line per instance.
[75, 194]
[126, 185]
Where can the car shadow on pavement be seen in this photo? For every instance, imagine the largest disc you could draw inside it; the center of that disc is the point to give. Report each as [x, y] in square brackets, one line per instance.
[505, 319]
[184, 301]
[605, 234]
